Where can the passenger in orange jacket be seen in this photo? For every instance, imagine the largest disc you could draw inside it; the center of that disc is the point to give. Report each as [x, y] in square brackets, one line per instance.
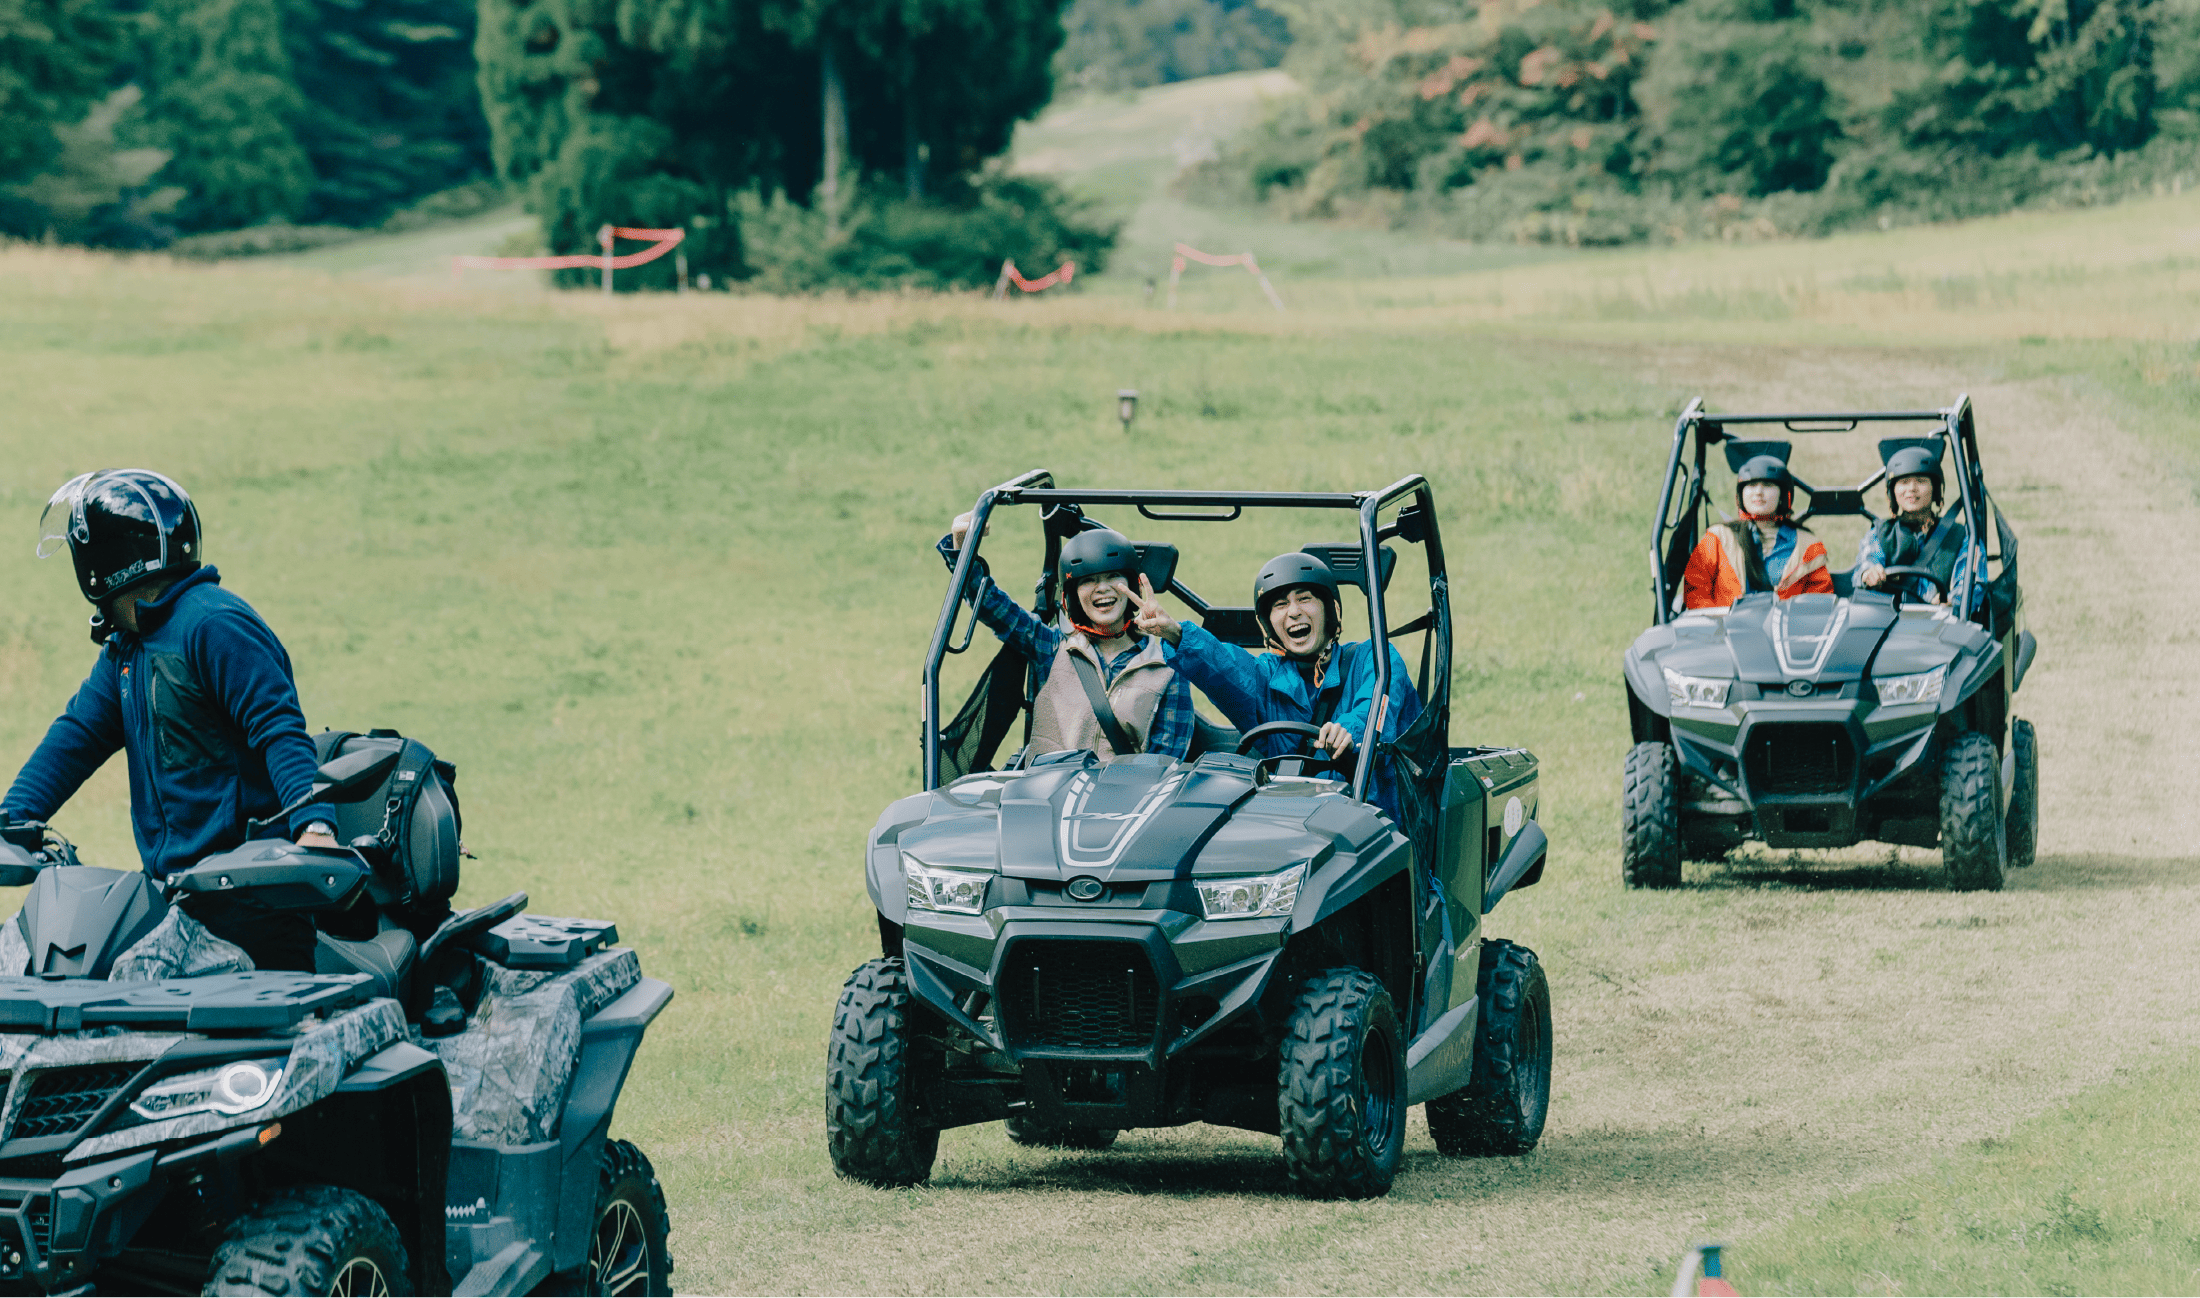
[1741, 557]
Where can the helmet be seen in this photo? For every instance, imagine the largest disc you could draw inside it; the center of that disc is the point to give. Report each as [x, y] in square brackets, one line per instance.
[123, 527]
[1280, 574]
[1767, 468]
[1913, 462]
[1088, 554]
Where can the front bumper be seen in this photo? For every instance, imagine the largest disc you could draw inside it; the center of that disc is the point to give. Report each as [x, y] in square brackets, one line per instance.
[1803, 771]
[1094, 1012]
[55, 1233]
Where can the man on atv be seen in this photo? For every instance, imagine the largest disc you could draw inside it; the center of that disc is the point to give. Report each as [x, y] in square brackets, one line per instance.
[1306, 675]
[1739, 557]
[194, 689]
[1102, 685]
[1917, 536]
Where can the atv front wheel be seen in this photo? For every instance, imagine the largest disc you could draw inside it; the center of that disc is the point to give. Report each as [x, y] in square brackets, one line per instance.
[1342, 1088]
[872, 1080]
[1650, 819]
[629, 1247]
[311, 1239]
[1501, 1109]
[1973, 843]
[1031, 1132]
[2024, 797]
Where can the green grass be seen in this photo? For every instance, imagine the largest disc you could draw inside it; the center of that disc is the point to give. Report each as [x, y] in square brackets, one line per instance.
[2095, 1195]
[656, 574]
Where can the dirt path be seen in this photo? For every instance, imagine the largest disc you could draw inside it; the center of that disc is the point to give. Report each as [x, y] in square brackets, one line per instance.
[1737, 1051]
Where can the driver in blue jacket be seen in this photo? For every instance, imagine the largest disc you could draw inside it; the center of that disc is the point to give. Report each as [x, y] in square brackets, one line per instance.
[195, 691]
[1308, 675]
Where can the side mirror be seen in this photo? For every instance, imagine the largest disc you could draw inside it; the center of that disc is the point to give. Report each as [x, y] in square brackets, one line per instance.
[354, 775]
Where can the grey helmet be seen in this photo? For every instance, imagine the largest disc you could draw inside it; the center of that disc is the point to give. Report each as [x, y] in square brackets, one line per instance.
[1767, 468]
[1088, 554]
[1288, 571]
[1914, 462]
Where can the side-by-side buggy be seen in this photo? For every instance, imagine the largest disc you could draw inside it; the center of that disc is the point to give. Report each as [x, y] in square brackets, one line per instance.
[1079, 946]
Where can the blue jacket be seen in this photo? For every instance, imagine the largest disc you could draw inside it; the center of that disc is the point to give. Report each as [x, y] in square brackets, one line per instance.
[1254, 689]
[203, 706]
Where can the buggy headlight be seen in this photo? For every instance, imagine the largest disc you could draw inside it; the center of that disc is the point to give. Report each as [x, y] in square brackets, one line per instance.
[1695, 691]
[1252, 896]
[960, 891]
[230, 1089]
[1924, 687]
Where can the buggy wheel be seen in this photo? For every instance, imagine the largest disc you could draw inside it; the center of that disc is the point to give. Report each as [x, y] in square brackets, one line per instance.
[873, 1073]
[1972, 830]
[2024, 797]
[629, 1249]
[311, 1239]
[1031, 1132]
[1342, 1088]
[1501, 1109]
[1650, 818]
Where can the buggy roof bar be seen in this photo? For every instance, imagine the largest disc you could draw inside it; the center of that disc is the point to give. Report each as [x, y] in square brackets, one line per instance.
[1850, 417]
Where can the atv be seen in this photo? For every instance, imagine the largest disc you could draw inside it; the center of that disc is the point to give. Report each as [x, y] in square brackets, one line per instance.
[416, 1117]
[1076, 947]
[1827, 720]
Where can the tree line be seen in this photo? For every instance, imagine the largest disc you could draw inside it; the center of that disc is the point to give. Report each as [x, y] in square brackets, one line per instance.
[1607, 121]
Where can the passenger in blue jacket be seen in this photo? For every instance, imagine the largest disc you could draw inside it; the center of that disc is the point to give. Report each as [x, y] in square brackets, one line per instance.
[1307, 676]
[194, 690]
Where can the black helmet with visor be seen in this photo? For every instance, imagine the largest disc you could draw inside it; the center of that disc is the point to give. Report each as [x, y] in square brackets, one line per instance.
[123, 528]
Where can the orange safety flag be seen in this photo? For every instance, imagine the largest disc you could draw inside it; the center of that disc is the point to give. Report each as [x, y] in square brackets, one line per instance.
[662, 241]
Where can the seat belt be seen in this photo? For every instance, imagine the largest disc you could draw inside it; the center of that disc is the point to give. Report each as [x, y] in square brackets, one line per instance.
[1097, 694]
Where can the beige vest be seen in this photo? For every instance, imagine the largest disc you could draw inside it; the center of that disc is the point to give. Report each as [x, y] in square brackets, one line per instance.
[1061, 717]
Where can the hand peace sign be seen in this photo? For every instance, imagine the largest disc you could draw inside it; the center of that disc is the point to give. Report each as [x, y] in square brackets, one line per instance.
[1151, 618]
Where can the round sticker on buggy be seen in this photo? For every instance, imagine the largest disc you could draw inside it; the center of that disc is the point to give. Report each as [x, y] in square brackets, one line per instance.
[1515, 816]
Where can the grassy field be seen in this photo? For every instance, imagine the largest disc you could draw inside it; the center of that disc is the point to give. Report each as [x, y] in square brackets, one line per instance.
[655, 574]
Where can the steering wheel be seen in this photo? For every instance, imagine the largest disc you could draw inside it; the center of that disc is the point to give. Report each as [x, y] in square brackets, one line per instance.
[1301, 761]
[1911, 570]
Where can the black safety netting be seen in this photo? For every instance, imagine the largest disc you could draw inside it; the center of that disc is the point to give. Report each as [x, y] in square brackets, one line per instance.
[1421, 754]
[970, 740]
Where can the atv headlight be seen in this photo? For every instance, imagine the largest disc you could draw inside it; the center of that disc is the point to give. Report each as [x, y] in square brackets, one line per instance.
[230, 1089]
[1251, 897]
[1695, 691]
[960, 891]
[1924, 687]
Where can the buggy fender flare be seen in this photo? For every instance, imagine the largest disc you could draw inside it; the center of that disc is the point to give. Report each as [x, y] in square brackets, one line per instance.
[2028, 647]
[1347, 879]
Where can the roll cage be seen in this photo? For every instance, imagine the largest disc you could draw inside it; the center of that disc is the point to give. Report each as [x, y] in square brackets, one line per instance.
[1685, 508]
[992, 707]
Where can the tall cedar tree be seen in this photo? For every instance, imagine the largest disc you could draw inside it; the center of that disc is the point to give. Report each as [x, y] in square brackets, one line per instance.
[390, 110]
[55, 58]
[657, 112]
[222, 100]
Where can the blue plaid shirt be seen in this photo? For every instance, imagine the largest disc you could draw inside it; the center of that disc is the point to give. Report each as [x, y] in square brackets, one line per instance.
[1171, 731]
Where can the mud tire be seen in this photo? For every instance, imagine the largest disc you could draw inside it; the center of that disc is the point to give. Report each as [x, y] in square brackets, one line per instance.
[1650, 818]
[873, 1066]
[311, 1239]
[1032, 1133]
[2024, 797]
[629, 1249]
[1973, 842]
[1500, 1111]
[1341, 1089]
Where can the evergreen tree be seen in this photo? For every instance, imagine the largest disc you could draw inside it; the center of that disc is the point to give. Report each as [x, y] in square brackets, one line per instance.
[223, 103]
[55, 59]
[390, 108]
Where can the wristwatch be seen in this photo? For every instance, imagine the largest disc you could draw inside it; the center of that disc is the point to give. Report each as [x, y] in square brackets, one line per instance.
[320, 827]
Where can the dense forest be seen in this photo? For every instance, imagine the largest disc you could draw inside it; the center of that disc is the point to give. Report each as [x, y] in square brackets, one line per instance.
[804, 143]
[1608, 121]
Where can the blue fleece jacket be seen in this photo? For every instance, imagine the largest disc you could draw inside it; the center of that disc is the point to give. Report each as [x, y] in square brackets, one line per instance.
[1254, 689]
[202, 703]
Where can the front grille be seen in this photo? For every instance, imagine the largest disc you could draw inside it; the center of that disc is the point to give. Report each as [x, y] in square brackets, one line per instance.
[1080, 995]
[31, 1167]
[1800, 758]
[61, 1100]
